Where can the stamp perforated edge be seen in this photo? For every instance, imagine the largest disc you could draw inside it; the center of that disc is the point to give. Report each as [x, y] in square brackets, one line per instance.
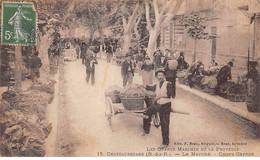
[36, 21]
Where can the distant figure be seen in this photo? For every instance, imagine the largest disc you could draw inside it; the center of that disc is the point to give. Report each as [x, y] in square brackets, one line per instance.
[77, 51]
[83, 52]
[157, 59]
[139, 61]
[224, 75]
[90, 68]
[181, 61]
[109, 51]
[171, 74]
[148, 70]
[35, 65]
[142, 50]
[192, 71]
[127, 70]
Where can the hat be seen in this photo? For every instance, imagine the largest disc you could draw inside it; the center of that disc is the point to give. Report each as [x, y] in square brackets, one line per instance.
[159, 70]
[230, 63]
[147, 58]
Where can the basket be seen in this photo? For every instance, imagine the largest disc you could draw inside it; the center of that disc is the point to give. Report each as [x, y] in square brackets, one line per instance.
[182, 81]
[236, 97]
[211, 91]
[133, 103]
[114, 97]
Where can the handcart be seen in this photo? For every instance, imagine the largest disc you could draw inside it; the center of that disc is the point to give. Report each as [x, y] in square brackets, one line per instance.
[134, 106]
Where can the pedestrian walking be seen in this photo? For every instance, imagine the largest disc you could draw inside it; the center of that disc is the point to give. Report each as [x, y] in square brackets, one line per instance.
[171, 73]
[162, 104]
[35, 65]
[127, 70]
[90, 68]
[147, 71]
[83, 52]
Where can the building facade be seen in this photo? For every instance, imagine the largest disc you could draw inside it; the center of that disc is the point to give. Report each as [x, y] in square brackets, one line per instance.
[230, 21]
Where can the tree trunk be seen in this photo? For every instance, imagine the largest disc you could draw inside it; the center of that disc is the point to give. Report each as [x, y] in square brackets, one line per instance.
[127, 42]
[44, 44]
[101, 34]
[195, 51]
[18, 68]
[152, 42]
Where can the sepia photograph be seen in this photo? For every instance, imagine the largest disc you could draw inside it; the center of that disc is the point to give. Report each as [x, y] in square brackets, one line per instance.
[130, 78]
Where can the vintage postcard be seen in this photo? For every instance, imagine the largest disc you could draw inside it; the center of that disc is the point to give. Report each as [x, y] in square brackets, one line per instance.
[130, 78]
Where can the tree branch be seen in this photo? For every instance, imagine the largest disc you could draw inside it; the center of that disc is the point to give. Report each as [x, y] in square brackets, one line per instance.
[157, 13]
[172, 12]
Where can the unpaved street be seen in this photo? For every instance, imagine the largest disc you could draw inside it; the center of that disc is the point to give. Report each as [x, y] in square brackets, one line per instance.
[82, 128]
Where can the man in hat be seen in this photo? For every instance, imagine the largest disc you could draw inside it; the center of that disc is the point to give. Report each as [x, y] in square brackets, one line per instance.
[162, 104]
[224, 75]
[127, 70]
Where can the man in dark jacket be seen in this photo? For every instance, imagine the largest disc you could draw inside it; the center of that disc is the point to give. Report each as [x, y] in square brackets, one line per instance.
[171, 76]
[90, 68]
[224, 75]
[35, 65]
[127, 70]
[162, 104]
[83, 52]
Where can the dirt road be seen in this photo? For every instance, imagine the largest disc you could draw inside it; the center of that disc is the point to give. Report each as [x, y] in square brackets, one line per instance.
[82, 128]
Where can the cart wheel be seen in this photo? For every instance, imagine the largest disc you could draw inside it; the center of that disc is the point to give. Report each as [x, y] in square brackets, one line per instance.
[156, 120]
[110, 112]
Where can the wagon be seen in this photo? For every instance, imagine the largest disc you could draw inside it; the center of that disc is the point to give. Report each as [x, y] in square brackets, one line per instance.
[113, 109]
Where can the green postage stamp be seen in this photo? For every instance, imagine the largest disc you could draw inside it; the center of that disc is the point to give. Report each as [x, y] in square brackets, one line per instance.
[19, 23]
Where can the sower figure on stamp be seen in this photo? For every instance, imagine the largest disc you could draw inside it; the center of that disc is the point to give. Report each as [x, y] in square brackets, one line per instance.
[16, 21]
[162, 104]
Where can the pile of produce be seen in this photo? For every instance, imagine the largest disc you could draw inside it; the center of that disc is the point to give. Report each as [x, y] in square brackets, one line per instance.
[209, 81]
[233, 91]
[182, 73]
[136, 91]
[113, 90]
[23, 122]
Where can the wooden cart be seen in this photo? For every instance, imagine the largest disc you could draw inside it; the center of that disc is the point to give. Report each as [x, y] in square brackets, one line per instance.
[113, 109]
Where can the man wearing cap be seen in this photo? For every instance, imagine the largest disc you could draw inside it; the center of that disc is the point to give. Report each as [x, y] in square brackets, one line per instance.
[224, 75]
[162, 104]
[127, 70]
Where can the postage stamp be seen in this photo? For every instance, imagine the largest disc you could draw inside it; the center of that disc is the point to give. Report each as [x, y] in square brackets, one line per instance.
[19, 23]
